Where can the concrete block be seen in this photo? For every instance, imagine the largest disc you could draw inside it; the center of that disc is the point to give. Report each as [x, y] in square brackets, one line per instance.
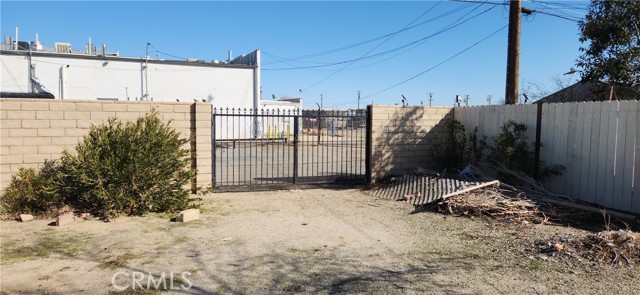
[89, 106]
[50, 149]
[10, 123]
[19, 132]
[116, 107]
[188, 215]
[138, 108]
[49, 115]
[35, 123]
[76, 115]
[63, 123]
[62, 106]
[22, 115]
[9, 105]
[26, 217]
[35, 105]
[182, 108]
[65, 219]
[102, 115]
[51, 132]
[76, 132]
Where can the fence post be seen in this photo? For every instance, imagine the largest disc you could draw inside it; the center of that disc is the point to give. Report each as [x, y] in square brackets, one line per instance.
[295, 149]
[368, 144]
[213, 150]
[536, 157]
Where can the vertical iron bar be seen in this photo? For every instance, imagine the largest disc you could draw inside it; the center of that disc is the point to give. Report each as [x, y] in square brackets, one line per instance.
[295, 149]
[368, 143]
[213, 150]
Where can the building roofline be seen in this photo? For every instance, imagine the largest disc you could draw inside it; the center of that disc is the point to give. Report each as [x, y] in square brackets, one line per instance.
[125, 59]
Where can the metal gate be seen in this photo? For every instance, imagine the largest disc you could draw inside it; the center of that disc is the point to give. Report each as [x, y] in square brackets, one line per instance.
[278, 147]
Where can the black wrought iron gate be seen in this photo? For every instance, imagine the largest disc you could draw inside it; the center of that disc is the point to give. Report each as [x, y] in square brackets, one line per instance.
[279, 147]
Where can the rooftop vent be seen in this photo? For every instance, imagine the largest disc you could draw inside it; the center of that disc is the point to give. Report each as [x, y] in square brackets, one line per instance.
[63, 47]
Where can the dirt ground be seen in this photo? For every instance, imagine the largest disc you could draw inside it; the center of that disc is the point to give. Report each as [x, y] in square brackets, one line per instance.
[298, 241]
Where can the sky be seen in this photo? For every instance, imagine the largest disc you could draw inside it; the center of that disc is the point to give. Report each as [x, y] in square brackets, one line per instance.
[331, 49]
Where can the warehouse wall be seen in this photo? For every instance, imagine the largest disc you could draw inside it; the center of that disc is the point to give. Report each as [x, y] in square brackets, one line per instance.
[92, 78]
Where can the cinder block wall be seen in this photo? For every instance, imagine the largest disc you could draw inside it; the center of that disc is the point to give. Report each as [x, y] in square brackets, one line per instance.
[37, 129]
[404, 138]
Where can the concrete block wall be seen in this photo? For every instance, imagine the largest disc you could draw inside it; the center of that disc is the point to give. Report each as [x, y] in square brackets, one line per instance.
[405, 138]
[33, 130]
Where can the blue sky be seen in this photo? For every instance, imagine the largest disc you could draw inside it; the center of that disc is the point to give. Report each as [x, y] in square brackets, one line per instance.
[286, 31]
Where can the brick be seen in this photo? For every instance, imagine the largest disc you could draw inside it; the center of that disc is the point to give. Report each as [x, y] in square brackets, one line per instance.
[5, 168]
[51, 132]
[128, 116]
[37, 140]
[138, 108]
[12, 141]
[89, 123]
[181, 108]
[116, 107]
[35, 105]
[62, 106]
[102, 115]
[89, 107]
[19, 132]
[50, 149]
[22, 115]
[65, 219]
[49, 115]
[188, 215]
[76, 115]
[10, 123]
[26, 217]
[66, 140]
[23, 150]
[76, 132]
[10, 105]
[3, 115]
[13, 159]
[62, 123]
[35, 124]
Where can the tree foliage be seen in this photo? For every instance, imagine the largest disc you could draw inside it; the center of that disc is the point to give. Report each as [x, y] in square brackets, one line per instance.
[611, 37]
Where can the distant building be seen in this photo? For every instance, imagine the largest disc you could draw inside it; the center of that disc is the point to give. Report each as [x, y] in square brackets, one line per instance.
[588, 91]
[30, 69]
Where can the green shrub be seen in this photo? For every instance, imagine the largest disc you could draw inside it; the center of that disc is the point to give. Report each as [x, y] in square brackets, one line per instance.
[32, 192]
[456, 143]
[512, 151]
[130, 168]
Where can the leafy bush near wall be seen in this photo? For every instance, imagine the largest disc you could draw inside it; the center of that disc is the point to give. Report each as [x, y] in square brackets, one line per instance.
[512, 151]
[33, 192]
[459, 150]
[131, 168]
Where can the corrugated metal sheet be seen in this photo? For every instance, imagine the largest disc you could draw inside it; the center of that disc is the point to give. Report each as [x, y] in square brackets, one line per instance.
[431, 188]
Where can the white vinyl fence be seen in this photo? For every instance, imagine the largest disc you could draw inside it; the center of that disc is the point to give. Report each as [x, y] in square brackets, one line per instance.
[597, 142]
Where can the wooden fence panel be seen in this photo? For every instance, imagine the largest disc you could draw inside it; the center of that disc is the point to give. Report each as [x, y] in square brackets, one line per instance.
[597, 142]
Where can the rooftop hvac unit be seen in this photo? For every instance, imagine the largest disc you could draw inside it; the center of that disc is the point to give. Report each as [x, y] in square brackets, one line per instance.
[63, 47]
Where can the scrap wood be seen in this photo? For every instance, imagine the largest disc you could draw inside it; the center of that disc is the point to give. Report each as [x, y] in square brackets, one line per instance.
[613, 247]
[589, 208]
[493, 203]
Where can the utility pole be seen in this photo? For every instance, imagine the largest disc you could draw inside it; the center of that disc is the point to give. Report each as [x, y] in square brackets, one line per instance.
[321, 98]
[146, 73]
[430, 97]
[489, 99]
[466, 100]
[358, 99]
[513, 52]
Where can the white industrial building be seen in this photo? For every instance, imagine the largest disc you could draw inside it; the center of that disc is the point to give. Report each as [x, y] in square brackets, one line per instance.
[29, 69]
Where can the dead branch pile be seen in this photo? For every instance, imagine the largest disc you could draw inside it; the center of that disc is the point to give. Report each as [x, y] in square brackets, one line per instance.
[615, 247]
[492, 202]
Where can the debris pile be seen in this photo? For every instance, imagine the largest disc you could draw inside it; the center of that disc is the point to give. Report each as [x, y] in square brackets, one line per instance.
[492, 202]
[615, 247]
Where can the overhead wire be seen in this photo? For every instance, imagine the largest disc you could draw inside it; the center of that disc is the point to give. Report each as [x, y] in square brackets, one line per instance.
[297, 59]
[383, 52]
[438, 64]
[372, 49]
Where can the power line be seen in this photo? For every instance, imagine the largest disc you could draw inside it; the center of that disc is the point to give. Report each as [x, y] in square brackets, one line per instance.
[374, 48]
[447, 28]
[297, 59]
[439, 64]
